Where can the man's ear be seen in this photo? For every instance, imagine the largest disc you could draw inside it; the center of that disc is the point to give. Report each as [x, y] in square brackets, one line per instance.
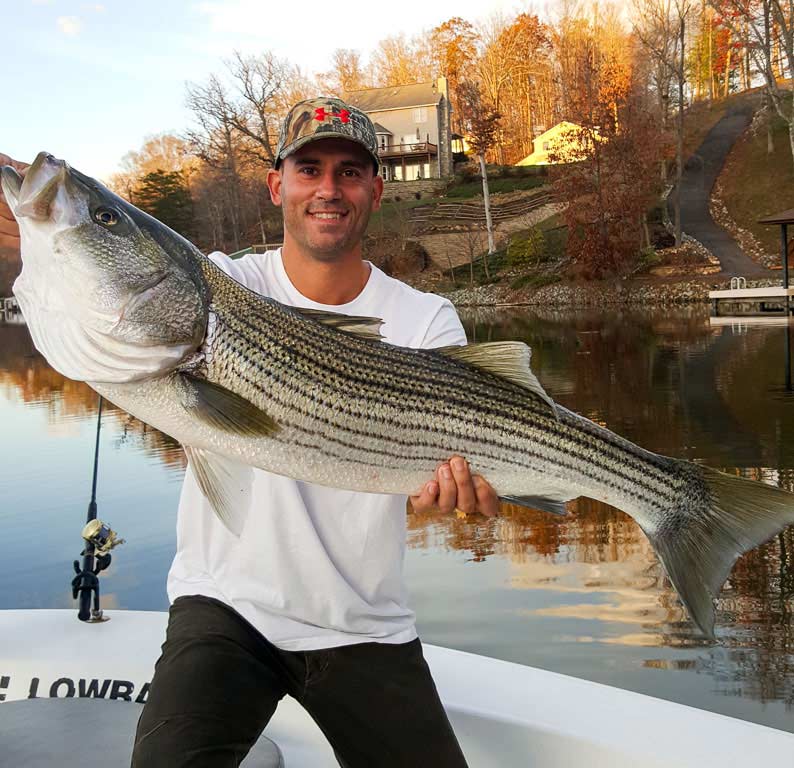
[377, 191]
[274, 182]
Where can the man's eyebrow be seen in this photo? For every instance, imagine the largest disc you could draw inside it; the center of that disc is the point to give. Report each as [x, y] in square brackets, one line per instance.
[352, 162]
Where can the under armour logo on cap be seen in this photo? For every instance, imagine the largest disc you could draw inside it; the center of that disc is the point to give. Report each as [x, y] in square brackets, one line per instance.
[323, 116]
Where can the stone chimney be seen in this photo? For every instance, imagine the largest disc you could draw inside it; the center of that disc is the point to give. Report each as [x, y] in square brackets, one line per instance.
[444, 128]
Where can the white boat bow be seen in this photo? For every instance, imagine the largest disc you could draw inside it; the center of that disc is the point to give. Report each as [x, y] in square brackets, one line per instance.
[504, 714]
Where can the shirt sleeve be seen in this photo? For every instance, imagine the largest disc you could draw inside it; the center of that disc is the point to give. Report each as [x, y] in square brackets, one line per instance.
[445, 329]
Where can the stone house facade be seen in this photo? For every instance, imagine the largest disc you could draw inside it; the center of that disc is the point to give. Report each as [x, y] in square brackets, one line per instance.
[412, 123]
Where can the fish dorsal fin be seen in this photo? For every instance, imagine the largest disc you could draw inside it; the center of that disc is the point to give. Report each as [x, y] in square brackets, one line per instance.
[224, 410]
[363, 327]
[508, 359]
[226, 483]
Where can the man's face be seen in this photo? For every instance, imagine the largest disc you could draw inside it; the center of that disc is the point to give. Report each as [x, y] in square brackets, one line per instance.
[328, 189]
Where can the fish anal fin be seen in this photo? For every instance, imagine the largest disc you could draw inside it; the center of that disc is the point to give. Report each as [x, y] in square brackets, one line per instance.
[543, 503]
[507, 359]
[225, 483]
[363, 327]
[224, 410]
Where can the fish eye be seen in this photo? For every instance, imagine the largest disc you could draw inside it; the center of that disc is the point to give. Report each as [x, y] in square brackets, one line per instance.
[106, 216]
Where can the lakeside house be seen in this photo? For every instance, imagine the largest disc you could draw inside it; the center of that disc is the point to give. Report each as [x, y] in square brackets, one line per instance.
[412, 123]
[562, 141]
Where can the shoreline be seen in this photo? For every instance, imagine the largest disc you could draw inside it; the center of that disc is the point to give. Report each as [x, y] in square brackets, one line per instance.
[619, 293]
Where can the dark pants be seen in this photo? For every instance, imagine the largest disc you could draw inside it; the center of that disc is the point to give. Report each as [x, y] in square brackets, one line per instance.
[218, 682]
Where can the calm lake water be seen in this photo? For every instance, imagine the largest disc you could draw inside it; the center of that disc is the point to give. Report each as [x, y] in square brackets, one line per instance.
[584, 596]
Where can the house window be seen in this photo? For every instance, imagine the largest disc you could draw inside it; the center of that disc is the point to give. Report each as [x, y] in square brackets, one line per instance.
[545, 146]
[420, 115]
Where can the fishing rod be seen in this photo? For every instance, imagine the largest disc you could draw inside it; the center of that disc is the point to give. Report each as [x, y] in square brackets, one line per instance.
[100, 539]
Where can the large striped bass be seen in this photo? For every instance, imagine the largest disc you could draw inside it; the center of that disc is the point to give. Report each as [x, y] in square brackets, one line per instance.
[115, 298]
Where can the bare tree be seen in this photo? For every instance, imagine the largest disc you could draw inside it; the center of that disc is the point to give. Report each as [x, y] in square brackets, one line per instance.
[481, 120]
[661, 28]
[259, 80]
[399, 61]
[473, 240]
[347, 73]
[656, 28]
[213, 140]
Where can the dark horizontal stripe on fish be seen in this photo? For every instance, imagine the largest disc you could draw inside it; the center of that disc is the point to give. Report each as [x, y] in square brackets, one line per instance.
[556, 455]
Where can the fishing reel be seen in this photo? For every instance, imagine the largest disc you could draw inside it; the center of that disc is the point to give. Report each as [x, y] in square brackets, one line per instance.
[102, 537]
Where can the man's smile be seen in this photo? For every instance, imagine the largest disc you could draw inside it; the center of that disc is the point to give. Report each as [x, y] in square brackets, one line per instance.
[328, 215]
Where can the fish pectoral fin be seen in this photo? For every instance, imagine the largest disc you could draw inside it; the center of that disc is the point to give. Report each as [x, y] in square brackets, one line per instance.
[226, 483]
[543, 503]
[222, 409]
[363, 327]
[508, 359]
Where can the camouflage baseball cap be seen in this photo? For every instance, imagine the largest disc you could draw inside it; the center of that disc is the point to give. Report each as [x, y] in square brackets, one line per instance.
[325, 118]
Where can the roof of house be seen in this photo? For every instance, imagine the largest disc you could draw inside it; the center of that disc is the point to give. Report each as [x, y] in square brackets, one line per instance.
[394, 97]
[380, 129]
[565, 125]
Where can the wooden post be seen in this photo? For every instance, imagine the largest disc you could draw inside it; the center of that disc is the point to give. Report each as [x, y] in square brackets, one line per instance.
[784, 248]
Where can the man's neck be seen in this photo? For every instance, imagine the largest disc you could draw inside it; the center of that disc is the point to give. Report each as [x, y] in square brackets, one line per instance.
[334, 282]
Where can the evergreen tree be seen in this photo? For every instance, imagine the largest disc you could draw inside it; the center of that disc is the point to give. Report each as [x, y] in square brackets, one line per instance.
[165, 195]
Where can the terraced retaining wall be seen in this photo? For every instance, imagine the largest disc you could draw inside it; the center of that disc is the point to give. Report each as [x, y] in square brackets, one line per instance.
[406, 190]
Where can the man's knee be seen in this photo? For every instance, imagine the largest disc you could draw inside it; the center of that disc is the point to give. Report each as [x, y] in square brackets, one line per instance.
[189, 740]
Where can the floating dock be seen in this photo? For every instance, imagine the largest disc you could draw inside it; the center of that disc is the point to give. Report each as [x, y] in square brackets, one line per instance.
[772, 300]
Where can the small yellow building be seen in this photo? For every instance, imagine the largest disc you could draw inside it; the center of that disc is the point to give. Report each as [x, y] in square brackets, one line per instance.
[564, 140]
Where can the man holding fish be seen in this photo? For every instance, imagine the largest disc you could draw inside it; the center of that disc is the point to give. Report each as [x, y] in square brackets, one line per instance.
[292, 582]
[309, 600]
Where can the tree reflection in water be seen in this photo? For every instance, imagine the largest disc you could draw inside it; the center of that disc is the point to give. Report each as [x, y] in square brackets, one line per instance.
[24, 372]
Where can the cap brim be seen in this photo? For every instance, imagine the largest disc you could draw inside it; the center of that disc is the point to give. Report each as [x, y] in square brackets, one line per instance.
[291, 149]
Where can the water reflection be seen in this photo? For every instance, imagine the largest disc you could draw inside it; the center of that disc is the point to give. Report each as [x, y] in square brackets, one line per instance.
[24, 373]
[584, 594]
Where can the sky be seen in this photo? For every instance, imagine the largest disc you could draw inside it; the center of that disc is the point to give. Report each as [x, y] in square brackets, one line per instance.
[89, 82]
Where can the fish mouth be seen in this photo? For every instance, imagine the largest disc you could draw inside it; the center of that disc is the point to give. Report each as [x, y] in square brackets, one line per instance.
[32, 197]
[11, 182]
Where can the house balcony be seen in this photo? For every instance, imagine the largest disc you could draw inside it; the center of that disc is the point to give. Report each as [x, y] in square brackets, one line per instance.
[413, 149]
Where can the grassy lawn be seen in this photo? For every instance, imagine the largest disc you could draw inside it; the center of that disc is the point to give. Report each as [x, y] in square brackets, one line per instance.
[555, 235]
[756, 184]
[393, 215]
[474, 188]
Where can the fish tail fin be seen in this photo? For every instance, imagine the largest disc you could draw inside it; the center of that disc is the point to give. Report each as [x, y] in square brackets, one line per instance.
[724, 516]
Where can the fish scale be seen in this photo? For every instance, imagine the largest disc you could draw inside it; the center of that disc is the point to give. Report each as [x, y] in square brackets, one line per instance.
[121, 301]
